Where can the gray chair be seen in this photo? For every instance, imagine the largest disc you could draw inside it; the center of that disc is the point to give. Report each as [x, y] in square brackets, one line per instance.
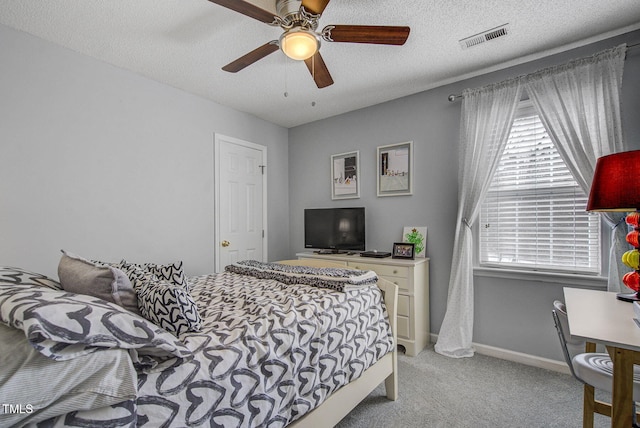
[593, 369]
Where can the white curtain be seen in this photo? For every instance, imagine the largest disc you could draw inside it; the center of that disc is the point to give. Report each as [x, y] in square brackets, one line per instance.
[619, 245]
[579, 105]
[487, 116]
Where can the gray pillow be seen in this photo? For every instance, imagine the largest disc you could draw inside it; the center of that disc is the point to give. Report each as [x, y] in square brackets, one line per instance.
[81, 276]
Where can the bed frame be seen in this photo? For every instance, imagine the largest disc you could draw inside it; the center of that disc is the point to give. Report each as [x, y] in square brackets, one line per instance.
[341, 402]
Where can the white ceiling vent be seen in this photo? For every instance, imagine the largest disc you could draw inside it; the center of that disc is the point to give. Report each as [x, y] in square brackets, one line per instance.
[485, 36]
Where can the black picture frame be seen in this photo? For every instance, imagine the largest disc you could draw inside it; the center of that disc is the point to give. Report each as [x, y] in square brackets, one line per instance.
[403, 250]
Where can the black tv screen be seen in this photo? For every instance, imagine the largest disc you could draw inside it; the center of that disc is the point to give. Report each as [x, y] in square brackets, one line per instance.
[334, 229]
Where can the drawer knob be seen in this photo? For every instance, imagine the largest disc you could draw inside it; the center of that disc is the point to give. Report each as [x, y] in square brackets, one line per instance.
[395, 271]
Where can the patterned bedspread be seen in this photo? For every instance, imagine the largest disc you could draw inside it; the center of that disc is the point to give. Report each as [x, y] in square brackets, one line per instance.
[267, 354]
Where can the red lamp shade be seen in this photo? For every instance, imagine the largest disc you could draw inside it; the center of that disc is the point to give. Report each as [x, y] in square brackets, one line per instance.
[613, 187]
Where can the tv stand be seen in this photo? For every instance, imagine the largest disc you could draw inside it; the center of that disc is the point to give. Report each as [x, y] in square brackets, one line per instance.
[412, 279]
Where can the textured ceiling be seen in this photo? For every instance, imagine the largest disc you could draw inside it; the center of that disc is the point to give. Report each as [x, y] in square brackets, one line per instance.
[184, 43]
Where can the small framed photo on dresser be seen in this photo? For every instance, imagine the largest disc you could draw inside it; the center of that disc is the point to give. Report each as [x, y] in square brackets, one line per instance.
[403, 250]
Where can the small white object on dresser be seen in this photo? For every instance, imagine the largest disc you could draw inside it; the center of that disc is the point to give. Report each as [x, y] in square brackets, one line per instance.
[412, 279]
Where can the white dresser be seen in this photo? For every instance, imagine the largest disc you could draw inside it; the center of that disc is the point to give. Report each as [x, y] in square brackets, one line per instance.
[412, 279]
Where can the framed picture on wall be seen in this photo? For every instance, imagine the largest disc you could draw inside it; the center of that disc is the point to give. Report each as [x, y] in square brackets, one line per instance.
[395, 169]
[345, 175]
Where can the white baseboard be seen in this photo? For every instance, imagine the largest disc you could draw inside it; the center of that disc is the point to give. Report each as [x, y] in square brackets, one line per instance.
[517, 357]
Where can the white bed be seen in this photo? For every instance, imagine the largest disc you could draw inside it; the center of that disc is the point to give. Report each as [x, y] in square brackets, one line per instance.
[178, 382]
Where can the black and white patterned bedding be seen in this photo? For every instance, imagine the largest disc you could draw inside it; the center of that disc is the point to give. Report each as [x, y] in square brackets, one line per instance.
[62, 326]
[341, 279]
[267, 353]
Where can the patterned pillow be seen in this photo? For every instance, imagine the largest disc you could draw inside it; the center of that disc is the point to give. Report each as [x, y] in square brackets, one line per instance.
[172, 273]
[16, 276]
[63, 325]
[167, 305]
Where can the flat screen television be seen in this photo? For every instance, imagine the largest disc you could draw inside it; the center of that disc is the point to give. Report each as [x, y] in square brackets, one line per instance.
[334, 229]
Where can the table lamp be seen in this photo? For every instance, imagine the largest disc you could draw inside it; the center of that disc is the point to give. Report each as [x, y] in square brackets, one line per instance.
[612, 189]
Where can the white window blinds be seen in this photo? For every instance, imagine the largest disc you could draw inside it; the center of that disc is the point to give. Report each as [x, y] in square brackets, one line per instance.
[534, 213]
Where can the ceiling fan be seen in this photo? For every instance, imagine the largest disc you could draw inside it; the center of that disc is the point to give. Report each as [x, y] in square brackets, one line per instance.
[300, 40]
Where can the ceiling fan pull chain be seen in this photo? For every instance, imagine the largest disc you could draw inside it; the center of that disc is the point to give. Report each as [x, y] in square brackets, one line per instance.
[286, 66]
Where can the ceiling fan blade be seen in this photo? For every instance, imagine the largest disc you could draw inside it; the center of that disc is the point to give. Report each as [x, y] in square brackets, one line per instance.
[319, 71]
[246, 8]
[376, 34]
[315, 6]
[251, 57]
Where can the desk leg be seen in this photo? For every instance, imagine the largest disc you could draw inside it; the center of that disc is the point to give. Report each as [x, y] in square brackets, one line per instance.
[622, 404]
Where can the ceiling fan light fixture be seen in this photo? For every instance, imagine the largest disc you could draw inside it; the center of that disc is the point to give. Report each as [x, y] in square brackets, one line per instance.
[299, 43]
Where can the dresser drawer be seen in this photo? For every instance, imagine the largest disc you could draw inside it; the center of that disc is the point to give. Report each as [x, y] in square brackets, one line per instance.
[404, 284]
[404, 303]
[383, 270]
[403, 327]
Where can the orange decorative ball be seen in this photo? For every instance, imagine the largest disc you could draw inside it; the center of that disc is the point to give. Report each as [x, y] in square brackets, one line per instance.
[632, 280]
[633, 238]
[633, 219]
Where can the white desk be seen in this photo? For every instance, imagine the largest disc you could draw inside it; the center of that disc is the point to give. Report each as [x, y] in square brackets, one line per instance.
[597, 316]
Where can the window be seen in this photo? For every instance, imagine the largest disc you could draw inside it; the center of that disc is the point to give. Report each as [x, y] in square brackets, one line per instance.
[533, 216]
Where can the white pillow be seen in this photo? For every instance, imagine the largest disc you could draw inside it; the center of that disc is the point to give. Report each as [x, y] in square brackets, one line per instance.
[17, 276]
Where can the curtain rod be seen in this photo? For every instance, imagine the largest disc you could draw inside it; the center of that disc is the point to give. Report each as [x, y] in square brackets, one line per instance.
[453, 97]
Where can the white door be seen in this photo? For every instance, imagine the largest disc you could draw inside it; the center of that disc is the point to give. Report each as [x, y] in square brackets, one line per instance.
[240, 202]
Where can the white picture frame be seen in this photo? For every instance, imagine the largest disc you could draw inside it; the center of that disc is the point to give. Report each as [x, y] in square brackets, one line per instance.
[345, 175]
[416, 235]
[395, 169]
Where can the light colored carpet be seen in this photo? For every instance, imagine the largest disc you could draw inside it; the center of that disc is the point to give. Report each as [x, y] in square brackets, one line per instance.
[437, 391]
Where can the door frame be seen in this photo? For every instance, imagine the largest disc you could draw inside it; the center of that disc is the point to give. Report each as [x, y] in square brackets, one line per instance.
[218, 139]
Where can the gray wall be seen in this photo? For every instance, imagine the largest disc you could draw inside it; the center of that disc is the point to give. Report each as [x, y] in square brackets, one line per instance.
[513, 315]
[108, 164]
